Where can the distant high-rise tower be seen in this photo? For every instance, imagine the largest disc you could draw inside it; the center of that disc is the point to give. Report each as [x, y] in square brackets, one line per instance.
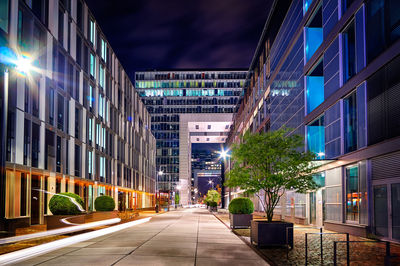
[188, 106]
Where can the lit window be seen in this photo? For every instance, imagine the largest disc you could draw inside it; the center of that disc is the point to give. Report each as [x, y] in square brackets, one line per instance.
[104, 50]
[92, 29]
[92, 65]
[315, 87]
[313, 34]
[316, 138]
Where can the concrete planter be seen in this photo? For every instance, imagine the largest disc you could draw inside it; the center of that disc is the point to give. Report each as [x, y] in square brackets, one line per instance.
[99, 216]
[213, 209]
[240, 220]
[264, 233]
[55, 221]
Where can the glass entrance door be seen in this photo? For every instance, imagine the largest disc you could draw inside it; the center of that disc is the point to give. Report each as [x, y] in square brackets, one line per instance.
[313, 208]
[387, 210]
[35, 200]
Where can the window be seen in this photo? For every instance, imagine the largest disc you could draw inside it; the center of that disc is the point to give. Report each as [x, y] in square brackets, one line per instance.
[4, 9]
[50, 106]
[345, 5]
[104, 50]
[77, 123]
[315, 87]
[383, 102]
[383, 26]
[92, 31]
[58, 154]
[77, 160]
[350, 122]
[27, 140]
[306, 5]
[316, 137]
[90, 130]
[93, 65]
[102, 77]
[61, 27]
[23, 192]
[349, 52]
[60, 112]
[90, 164]
[313, 34]
[352, 194]
[91, 96]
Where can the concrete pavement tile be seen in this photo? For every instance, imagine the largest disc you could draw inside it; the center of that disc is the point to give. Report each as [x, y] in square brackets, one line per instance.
[124, 243]
[102, 251]
[226, 254]
[33, 261]
[99, 260]
[156, 261]
[230, 262]
[177, 244]
[165, 251]
[60, 251]
[82, 244]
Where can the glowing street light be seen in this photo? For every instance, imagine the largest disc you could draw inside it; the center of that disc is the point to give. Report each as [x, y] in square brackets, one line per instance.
[23, 65]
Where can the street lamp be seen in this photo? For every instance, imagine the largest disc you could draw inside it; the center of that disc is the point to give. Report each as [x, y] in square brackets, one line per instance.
[223, 154]
[21, 64]
[211, 183]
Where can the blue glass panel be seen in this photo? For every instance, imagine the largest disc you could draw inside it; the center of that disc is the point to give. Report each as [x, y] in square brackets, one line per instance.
[319, 178]
[316, 140]
[315, 92]
[314, 37]
[306, 5]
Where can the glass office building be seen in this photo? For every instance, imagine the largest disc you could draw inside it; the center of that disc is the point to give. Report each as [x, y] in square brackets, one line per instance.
[329, 70]
[74, 121]
[172, 93]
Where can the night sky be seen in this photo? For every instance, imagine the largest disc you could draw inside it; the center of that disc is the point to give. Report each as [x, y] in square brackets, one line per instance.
[160, 34]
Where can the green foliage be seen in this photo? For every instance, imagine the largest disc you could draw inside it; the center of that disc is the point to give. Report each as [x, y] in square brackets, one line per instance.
[213, 196]
[268, 164]
[241, 206]
[66, 204]
[104, 203]
[177, 199]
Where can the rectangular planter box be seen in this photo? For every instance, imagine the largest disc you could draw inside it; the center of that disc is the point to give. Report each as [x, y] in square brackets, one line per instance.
[213, 209]
[54, 221]
[99, 216]
[265, 234]
[240, 220]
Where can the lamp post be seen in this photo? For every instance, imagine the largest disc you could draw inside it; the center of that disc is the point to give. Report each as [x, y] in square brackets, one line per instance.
[22, 65]
[211, 183]
[159, 173]
[223, 154]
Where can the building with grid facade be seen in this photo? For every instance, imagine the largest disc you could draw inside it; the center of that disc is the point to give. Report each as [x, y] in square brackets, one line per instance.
[329, 70]
[187, 106]
[75, 122]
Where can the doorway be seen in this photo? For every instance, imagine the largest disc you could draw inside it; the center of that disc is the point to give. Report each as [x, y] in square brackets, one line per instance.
[313, 208]
[35, 200]
[387, 210]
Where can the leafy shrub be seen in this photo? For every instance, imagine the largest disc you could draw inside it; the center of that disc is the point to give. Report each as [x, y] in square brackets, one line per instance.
[104, 203]
[241, 206]
[66, 204]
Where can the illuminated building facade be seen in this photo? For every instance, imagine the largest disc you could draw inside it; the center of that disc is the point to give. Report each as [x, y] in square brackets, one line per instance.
[75, 122]
[187, 106]
[329, 70]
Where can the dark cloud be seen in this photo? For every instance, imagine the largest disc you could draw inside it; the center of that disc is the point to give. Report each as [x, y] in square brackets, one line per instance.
[159, 34]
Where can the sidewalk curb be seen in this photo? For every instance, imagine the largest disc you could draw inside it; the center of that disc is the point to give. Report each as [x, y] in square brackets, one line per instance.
[259, 253]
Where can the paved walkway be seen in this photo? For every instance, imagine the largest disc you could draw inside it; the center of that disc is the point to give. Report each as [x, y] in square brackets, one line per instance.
[187, 237]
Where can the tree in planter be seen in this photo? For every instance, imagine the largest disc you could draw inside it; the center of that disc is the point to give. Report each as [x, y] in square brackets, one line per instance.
[268, 164]
[213, 197]
[177, 199]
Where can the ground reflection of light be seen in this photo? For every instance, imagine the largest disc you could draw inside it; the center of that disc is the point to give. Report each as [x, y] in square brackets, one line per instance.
[60, 231]
[27, 253]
